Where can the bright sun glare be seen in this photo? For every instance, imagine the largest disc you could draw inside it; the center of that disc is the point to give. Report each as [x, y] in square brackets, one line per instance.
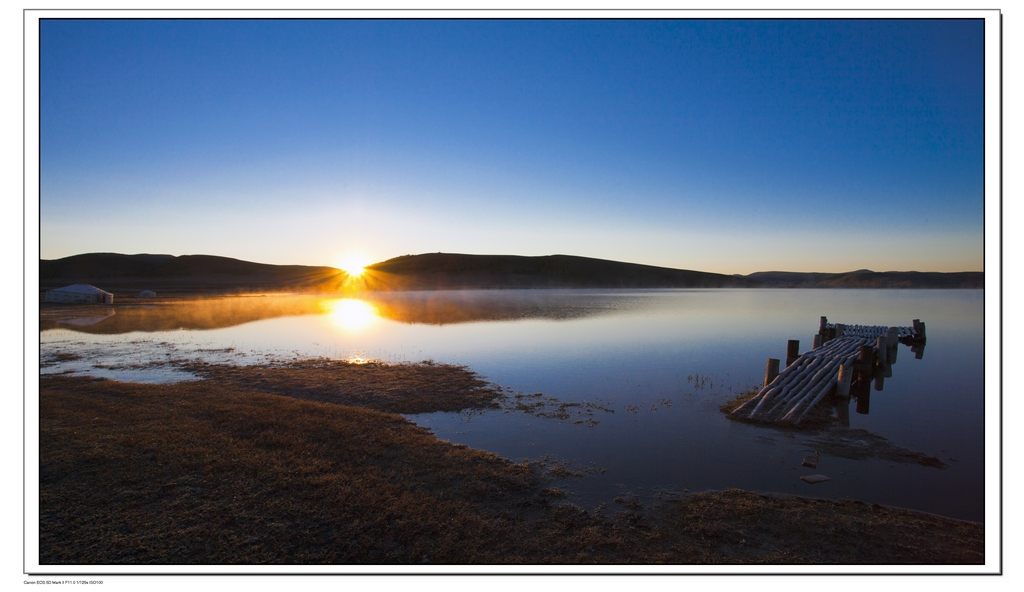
[353, 264]
[351, 314]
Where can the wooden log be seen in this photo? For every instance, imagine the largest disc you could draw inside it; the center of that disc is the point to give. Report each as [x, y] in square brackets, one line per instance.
[778, 398]
[814, 396]
[881, 349]
[752, 407]
[840, 330]
[825, 388]
[800, 390]
[787, 374]
[825, 348]
[750, 403]
[810, 364]
[837, 345]
[817, 341]
[771, 371]
[822, 325]
[841, 348]
[824, 374]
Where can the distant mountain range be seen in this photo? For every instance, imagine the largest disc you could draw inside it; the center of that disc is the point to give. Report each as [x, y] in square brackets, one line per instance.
[189, 274]
[865, 278]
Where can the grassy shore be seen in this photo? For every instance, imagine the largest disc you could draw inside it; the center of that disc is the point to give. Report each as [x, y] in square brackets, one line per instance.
[310, 463]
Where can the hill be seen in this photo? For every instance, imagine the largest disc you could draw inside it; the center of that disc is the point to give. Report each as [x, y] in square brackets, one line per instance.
[864, 278]
[446, 271]
[167, 274]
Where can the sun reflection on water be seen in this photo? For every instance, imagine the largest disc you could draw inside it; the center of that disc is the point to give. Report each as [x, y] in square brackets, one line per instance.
[352, 314]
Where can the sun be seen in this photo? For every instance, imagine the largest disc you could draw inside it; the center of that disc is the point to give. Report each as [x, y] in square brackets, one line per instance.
[354, 264]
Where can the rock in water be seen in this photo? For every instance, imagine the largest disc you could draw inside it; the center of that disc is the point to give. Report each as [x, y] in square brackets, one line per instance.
[812, 479]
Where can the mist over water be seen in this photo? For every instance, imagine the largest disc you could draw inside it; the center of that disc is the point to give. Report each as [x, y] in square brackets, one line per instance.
[649, 370]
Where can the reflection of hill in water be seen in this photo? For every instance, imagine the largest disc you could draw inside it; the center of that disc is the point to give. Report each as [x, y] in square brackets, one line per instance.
[433, 308]
[450, 307]
[212, 313]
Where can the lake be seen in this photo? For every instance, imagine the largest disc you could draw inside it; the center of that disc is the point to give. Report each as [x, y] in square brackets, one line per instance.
[644, 373]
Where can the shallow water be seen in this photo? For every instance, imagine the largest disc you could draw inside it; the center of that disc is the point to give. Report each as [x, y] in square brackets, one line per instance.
[656, 365]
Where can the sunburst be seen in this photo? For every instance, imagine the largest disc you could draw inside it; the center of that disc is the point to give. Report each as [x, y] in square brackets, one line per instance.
[354, 264]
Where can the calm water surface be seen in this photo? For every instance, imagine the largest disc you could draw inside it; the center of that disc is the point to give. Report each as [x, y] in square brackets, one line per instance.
[656, 365]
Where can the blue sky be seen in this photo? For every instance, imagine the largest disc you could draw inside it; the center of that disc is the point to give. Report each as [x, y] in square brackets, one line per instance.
[719, 145]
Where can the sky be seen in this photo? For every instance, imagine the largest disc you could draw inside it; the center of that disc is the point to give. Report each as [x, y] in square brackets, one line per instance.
[724, 145]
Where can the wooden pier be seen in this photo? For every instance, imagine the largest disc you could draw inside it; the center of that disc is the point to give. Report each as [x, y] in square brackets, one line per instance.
[842, 356]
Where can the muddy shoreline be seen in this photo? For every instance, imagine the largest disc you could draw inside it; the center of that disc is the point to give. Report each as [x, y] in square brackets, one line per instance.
[310, 463]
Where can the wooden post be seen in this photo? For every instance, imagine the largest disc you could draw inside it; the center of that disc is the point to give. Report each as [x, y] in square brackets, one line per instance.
[882, 347]
[843, 412]
[919, 330]
[864, 401]
[879, 381]
[892, 340]
[840, 330]
[817, 341]
[866, 356]
[859, 387]
[771, 371]
[843, 382]
[821, 325]
[792, 351]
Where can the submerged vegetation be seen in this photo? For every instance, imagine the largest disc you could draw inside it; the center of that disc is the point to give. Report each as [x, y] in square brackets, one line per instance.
[310, 463]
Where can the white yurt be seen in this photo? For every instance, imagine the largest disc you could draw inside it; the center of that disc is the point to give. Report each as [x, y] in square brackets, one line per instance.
[79, 294]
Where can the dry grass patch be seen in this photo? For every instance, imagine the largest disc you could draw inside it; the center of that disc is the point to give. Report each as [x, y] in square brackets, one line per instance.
[226, 471]
[745, 527]
[201, 473]
[399, 388]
